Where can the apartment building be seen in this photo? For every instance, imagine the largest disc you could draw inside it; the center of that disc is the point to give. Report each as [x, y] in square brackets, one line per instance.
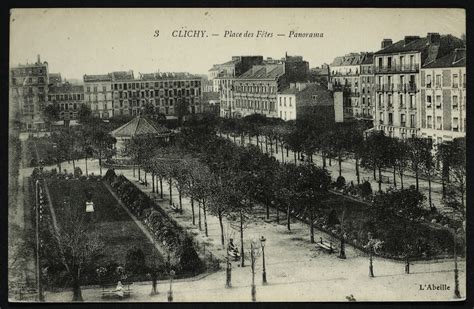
[98, 95]
[28, 91]
[443, 97]
[225, 76]
[365, 109]
[397, 80]
[68, 98]
[255, 91]
[305, 99]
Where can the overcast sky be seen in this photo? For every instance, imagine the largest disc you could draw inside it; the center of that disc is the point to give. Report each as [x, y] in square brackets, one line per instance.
[95, 41]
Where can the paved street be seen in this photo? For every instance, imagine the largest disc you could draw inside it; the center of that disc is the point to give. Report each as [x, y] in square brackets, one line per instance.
[349, 173]
[296, 270]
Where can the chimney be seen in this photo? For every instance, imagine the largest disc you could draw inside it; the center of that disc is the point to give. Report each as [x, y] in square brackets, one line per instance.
[39, 59]
[433, 37]
[386, 43]
[410, 38]
[292, 85]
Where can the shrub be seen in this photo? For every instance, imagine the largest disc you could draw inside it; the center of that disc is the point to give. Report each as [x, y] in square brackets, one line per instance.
[135, 261]
[340, 182]
[188, 258]
[110, 176]
[365, 189]
[77, 172]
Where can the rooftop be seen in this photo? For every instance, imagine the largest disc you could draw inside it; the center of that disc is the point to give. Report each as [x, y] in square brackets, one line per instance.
[98, 78]
[263, 72]
[138, 126]
[167, 76]
[122, 75]
[349, 59]
[456, 58]
[66, 88]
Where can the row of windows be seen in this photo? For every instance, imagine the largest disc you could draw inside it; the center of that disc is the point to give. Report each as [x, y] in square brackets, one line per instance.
[438, 102]
[403, 120]
[165, 84]
[401, 100]
[255, 104]
[256, 88]
[66, 97]
[29, 80]
[438, 81]
[29, 71]
[438, 125]
[284, 101]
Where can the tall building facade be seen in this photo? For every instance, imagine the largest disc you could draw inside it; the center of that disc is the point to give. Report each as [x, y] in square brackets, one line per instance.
[120, 93]
[397, 80]
[225, 77]
[365, 110]
[255, 91]
[164, 91]
[98, 95]
[28, 93]
[68, 98]
[443, 97]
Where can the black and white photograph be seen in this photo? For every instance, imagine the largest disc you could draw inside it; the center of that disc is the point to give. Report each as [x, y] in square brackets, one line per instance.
[163, 155]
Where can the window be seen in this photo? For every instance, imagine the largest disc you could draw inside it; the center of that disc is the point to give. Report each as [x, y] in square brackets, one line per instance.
[290, 101]
[412, 121]
[455, 102]
[403, 120]
[455, 124]
[429, 122]
[390, 118]
[439, 123]
[428, 101]
[438, 81]
[402, 103]
[428, 81]
[455, 81]
[438, 102]
[412, 101]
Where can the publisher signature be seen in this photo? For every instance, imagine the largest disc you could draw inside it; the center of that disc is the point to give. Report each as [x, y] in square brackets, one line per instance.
[434, 287]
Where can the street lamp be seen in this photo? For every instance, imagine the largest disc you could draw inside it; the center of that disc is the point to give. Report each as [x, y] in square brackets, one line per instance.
[264, 273]
[170, 292]
[39, 199]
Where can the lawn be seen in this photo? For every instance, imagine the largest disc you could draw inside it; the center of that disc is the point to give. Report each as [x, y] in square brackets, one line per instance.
[116, 228]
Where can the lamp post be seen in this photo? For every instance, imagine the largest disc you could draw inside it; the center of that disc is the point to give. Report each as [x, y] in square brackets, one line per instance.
[170, 292]
[264, 273]
[228, 270]
[252, 264]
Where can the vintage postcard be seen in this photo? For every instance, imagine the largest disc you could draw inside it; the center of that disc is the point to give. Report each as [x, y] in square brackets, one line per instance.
[237, 155]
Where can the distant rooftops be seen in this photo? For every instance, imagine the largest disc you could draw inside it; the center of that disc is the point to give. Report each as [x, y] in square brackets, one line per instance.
[129, 76]
[351, 59]
[264, 72]
[413, 43]
[66, 88]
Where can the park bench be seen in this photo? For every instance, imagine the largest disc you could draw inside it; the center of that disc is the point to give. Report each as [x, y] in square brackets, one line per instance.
[109, 291]
[326, 246]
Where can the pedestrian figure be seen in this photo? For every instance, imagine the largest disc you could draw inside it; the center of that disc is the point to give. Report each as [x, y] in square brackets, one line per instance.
[119, 290]
[350, 298]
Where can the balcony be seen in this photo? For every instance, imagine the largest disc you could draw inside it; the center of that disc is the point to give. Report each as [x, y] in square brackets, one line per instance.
[385, 87]
[405, 68]
[403, 124]
[410, 87]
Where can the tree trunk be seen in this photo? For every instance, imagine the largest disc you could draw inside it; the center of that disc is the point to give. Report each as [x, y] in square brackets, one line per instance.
[357, 171]
[380, 179]
[242, 252]
[152, 183]
[429, 191]
[161, 187]
[180, 200]
[324, 160]
[394, 177]
[76, 290]
[73, 166]
[375, 169]
[205, 218]
[192, 211]
[401, 178]
[146, 183]
[330, 161]
[219, 215]
[257, 140]
[199, 216]
[133, 169]
[276, 146]
[100, 163]
[287, 152]
[139, 175]
[266, 144]
[171, 190]
[233, 137]
[339, 159]
[407, 265]
[416, 178]
[311, 226]
[294, 155]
